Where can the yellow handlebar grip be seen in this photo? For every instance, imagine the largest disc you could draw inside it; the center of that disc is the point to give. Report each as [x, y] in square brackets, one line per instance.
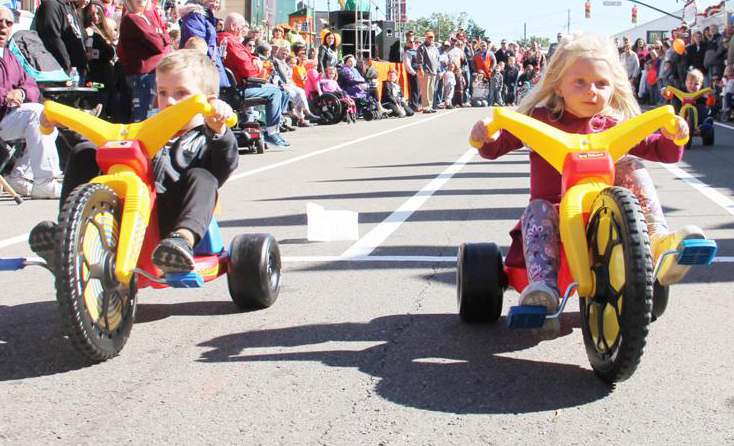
[682, 142]
[232, 120]
[45, 130]
[476, 144]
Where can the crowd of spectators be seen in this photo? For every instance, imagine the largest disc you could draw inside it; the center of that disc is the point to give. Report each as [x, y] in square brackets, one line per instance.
[118, 43]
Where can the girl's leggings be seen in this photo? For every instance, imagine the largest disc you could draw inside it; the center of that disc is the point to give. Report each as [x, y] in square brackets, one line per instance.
[539, 223]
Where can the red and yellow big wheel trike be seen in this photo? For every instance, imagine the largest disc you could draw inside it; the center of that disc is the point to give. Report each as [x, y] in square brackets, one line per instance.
[606, 253]
[108, 229]
[689, 112]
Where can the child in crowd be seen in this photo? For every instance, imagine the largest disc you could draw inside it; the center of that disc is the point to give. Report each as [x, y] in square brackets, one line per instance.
[667, 76]
[495, 85]
[728, 93]
[188, 170]
[449, 85]
[197, 44]
[510, 79]
[460, 86]
[480, 91]
[392, 96]
[585, 90]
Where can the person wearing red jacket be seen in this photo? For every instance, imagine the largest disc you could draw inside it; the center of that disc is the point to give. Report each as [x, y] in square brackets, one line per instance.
[240, 60]
[142, 45]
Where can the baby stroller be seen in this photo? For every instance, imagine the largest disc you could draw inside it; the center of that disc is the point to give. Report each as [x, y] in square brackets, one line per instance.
[247, 131]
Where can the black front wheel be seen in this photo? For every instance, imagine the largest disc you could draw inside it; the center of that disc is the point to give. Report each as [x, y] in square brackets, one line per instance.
[97, 311]
[692, 128]
[615, 319]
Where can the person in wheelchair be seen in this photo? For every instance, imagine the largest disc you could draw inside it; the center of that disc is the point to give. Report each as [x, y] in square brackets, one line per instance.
[188, 171]
[333, 103]
[246, 68]
[357, 88]
[36, 171]
[585, 90]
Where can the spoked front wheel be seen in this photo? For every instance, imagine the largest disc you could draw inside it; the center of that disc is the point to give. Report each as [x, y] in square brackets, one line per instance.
[97, 311]
[616, 317]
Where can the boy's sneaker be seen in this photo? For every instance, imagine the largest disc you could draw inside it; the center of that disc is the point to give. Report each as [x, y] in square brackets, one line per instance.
[538, 293]
[174, 254]
[21, 186]
[670, 271]
[42, 240]
[47, 190]
[276, 140]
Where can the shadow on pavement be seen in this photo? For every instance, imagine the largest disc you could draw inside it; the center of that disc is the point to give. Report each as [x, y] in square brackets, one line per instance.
[406, 193]
[447, 163]
[155, 312]
[431, 362]
[511, 213]
[32, 343]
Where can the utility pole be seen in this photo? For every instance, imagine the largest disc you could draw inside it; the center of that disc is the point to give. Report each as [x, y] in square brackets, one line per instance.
[568, 23]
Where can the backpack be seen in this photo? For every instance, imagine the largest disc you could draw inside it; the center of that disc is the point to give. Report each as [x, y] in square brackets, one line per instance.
[35, 59]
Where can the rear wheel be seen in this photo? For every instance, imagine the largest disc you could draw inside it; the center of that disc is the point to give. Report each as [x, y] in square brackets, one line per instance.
[97, 311]
[707, 134]
[260, 145]
[481, 281]
[254, 270]
[660, 296]
[615, 319]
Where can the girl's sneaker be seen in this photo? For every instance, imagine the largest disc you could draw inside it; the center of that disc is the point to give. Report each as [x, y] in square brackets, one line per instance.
[670, 271]
[538, 293]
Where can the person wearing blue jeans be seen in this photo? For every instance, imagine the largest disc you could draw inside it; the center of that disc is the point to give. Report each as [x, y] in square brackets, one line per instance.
[246, 68]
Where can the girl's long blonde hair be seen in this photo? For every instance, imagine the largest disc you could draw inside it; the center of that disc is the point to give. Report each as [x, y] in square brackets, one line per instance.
[622, 105]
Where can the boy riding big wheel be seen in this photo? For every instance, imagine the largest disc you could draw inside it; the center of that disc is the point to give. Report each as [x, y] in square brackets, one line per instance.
[585, 90]
[188, 171]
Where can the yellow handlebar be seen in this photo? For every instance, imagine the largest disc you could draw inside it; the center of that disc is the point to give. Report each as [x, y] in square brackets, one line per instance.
[154, 132]
[554, 144]
[682, 95]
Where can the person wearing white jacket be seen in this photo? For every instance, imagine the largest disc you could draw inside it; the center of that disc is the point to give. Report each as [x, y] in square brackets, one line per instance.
[631, 63]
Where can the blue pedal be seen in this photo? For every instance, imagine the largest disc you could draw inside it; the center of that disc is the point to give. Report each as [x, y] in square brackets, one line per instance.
[185, 280]
[697, 252]
[12, 263]
[526, 316]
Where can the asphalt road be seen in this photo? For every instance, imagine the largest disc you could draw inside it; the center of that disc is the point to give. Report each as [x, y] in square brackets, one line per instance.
[371, 351]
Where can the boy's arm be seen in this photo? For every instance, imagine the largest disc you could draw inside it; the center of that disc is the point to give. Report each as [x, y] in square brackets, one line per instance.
[223, 154]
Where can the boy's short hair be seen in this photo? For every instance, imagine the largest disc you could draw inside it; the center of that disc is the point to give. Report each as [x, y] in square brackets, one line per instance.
[391, 71]
[695, 74]
[193, 61]
[198, 44]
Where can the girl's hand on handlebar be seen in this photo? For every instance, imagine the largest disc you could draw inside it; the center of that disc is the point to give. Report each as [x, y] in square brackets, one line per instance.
[479, 132]
[221, 111]
[681, 127]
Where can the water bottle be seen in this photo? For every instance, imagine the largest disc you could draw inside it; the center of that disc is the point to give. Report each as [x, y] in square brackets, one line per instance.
[74, 75]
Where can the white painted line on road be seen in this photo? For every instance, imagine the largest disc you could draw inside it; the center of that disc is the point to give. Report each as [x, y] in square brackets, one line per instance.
[712, 194]
[405, 259]
[724, 125]
[330, 149]
[376, 236]
[13, 240]
[21, 238]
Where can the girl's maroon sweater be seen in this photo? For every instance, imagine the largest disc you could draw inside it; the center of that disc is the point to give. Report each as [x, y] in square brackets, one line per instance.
[545, 181]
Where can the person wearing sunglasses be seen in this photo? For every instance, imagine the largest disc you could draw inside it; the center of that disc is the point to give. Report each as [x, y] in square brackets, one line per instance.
[37, 170]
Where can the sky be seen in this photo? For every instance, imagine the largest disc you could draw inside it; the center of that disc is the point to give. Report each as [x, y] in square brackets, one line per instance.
[546, 18]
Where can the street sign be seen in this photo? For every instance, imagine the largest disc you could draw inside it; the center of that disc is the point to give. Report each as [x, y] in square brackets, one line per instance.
[612, 2]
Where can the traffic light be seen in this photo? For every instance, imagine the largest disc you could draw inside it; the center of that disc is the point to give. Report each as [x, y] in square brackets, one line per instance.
[634, 14]
[587, 9]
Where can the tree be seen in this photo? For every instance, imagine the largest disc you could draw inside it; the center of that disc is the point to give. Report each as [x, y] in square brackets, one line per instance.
[542, 42]
[443, 25]
[474, 31]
